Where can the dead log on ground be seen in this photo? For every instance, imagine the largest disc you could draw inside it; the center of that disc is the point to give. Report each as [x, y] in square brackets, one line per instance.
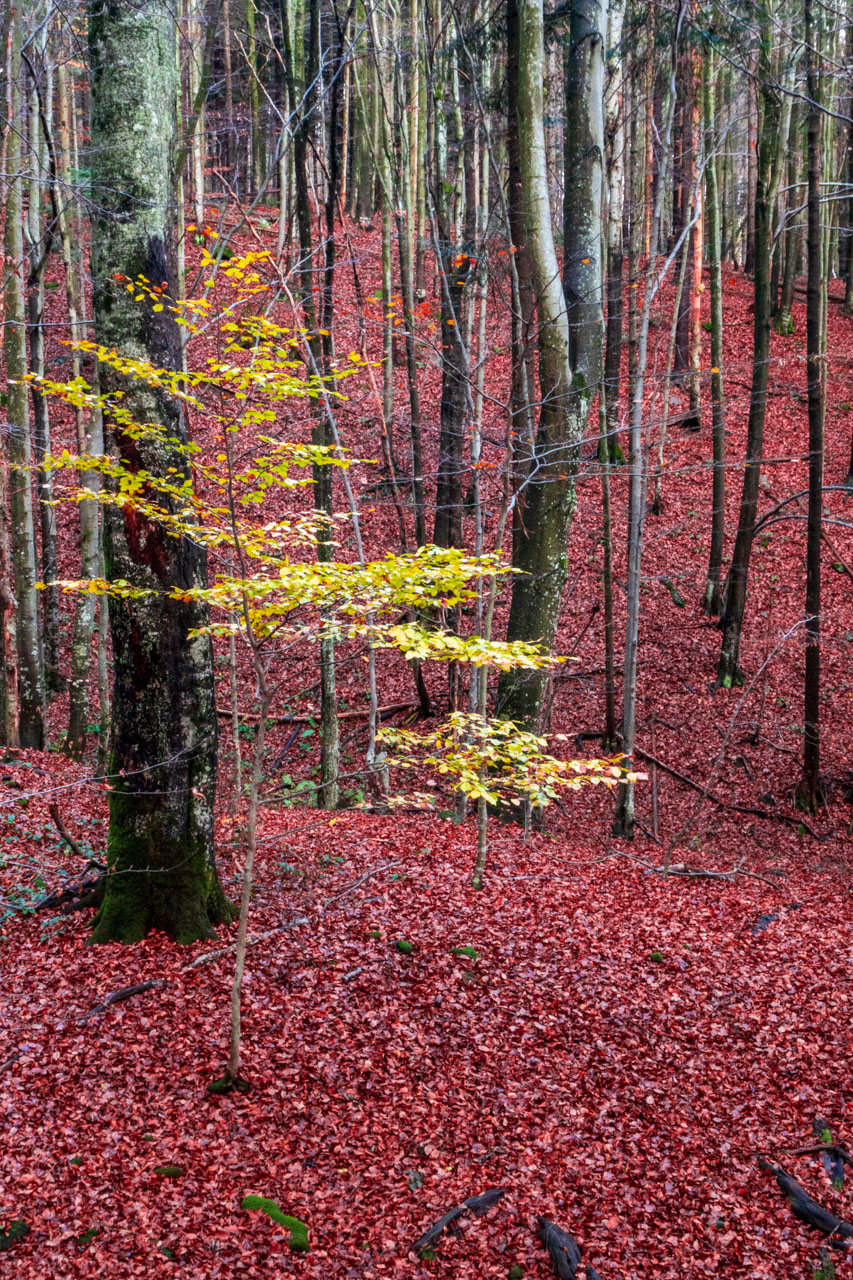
[838, 1232]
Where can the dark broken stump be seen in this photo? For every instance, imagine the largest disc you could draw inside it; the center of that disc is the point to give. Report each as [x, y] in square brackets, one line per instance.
[563, 1248]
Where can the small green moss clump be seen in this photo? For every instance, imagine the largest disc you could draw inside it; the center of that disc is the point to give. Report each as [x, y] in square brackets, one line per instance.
[87, 1236]
[657, 957]
[374, 934]
[298, 1242]
[16, 1230]
[169, 1171]
[515, 1272]
[468, 952]
[229, 1084]
[404, 947]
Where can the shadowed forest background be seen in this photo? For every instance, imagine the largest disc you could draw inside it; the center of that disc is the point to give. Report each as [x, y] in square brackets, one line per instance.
[427, 639]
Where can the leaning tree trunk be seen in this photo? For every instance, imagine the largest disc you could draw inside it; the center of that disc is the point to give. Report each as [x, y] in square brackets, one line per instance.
[163, 764]
[539, 542]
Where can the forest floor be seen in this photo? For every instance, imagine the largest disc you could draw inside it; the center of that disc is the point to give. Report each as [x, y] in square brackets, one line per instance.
[618, 1055]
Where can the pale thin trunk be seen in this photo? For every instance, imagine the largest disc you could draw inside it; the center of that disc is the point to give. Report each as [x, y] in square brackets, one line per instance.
[623, 820]
[809, 797]
[712, 602]
[30, 680]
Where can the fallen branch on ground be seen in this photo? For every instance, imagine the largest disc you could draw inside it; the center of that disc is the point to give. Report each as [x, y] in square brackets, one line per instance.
[725, 804]
[807, 1209]
[375, 872]
[210, 956]
[115, 997]
[831, 1148]
[688, 872]
[66, 835]
[74, 897]
[478, 1205]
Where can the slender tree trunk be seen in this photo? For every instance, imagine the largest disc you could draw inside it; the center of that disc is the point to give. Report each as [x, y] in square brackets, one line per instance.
[728, 671]
[615, 142]
[784, 319]
[809, 791]
[163, 764]
[623, 818]
[30, 678]
[303, 112]
[752, 195]
[42, 175]
[712, 601]
[522, 346]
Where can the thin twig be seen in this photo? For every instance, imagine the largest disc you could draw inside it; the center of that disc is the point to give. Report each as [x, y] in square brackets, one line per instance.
[375, 872]
[260, 937]
[56, 816]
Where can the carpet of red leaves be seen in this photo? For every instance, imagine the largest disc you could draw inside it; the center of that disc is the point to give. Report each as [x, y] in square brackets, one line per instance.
[618, 1055]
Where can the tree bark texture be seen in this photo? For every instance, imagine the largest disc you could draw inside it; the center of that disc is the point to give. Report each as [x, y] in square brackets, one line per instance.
[539, 542]
[162, 872]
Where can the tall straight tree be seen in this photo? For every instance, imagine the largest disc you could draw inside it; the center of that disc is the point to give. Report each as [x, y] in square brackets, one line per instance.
[773, 134]
[711, 601]
[163, 765]
[809, 791]
[30, 678]
[539, 537]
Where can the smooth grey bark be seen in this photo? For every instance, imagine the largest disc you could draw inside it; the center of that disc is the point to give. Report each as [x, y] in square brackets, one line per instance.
[623, 818]
[773, 134]
[615, 137]
[303, 110]
[38, 237]
[164, 740]
[30, 675]
[783, 321]
[809, 797]
[539, 541]
[583, 177]
[712, 600]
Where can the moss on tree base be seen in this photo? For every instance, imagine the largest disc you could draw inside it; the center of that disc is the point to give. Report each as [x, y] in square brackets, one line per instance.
[135, 905]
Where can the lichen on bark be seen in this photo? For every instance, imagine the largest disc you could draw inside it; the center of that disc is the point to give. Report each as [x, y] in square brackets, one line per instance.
[164, 752]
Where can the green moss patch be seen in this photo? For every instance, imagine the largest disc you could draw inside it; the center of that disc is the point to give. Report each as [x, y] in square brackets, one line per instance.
[229, 1084]
[298, 1241]
[169, 1171]
[15, 1231]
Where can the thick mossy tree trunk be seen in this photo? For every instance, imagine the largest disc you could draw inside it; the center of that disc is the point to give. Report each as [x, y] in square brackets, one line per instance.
[160, 847]
[539, 541]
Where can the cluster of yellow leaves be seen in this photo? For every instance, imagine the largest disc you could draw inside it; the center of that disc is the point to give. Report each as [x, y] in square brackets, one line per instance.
[498, 760]
[215, 503]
